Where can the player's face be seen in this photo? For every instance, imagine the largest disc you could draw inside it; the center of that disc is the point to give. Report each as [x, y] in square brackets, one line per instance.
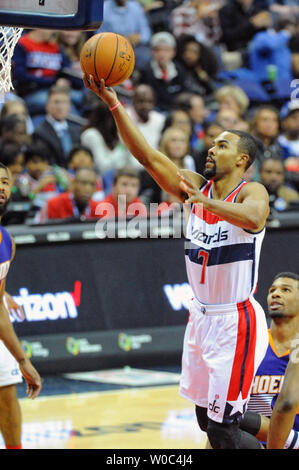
[283, 298]
[222, 156]
[5, 189]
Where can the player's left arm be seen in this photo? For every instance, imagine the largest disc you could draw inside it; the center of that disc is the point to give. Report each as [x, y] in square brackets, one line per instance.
[250, 211]
[284, 411]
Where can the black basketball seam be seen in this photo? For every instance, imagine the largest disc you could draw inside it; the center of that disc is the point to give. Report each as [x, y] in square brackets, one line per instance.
[95, 58]
[116, 51]
[121, 77]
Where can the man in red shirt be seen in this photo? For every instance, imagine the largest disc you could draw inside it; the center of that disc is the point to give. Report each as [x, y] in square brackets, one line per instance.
[75, 203]
[123, 201]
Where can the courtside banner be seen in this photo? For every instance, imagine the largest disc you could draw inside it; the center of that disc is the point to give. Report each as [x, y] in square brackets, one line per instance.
[58, 353]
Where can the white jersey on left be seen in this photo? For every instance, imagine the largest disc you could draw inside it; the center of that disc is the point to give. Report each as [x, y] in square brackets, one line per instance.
[221, 259]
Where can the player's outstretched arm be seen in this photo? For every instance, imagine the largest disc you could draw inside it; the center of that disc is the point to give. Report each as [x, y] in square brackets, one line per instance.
[284, 411]
[158, 165]
[250, 212]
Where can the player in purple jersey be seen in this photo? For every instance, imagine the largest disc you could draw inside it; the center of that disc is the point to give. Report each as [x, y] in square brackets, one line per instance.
[270, 379]
[12, 356]
[224, 342]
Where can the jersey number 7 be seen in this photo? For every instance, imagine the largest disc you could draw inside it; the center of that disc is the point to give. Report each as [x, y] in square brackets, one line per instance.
[205, 255]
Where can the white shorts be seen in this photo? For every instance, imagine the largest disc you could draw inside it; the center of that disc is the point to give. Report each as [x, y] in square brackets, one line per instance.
[223, 347]
[10, 373]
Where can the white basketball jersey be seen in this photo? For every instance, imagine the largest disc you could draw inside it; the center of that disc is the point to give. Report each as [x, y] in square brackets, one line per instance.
[221, 259]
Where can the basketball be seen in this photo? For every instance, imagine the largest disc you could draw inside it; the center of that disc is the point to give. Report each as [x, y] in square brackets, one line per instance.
[109, 56]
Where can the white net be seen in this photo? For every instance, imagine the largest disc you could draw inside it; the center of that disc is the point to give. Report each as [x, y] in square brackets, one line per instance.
[9, 37]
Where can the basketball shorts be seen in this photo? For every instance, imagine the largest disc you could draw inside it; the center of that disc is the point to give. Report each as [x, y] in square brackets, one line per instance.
[10, 373]
[223, 347]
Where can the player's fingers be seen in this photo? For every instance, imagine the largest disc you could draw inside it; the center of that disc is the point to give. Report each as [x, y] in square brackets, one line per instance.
[86, 81]
[186, 188]
[187, 182]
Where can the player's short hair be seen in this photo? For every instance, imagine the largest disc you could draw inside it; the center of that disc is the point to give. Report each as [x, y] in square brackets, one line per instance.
[246, 144]
[288, 275]
[130, 172]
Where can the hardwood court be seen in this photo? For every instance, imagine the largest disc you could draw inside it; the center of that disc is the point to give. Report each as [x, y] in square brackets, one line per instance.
[138, 418]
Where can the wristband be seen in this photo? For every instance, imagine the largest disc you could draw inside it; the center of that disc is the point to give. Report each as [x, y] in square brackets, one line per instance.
[116, 105]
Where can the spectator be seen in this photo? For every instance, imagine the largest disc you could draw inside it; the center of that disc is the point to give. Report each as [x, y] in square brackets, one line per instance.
[162, 73]
[175, 145]
[265, 126]
[127, 17]
[228, 118]
[169, 205]
[195, 107]
[199, 63]
[18, 106]
[71, 43]
[123, 201]
[76, 203]
[240, 20]
[45, 181]
[148, 121]
[211, 131]
[272, 176]
[36, 65]
[289, 139]
[13, 129]
[56, 132]
[13, 158]
[179, 118]
[82, 157]
[100, 135]
[232, 97]
[198, 18]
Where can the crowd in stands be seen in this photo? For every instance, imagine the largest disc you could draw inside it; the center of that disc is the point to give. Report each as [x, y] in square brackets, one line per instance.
[202, 66]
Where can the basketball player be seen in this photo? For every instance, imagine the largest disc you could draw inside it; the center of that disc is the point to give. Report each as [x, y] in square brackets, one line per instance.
[286, 406]
[283, 308]
[12, 356]
[226, 336]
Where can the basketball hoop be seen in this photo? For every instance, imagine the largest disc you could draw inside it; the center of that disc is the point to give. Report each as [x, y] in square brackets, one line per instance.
[9, 37]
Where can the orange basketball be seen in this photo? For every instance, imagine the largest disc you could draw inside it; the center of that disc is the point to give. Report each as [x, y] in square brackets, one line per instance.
[109, 56]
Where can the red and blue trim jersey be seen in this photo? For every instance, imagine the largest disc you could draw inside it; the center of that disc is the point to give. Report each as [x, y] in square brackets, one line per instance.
[221, 259]
[268, 382]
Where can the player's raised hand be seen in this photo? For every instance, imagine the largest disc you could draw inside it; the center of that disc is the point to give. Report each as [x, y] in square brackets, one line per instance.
[190, 188]
[32, 378]
[107, 94]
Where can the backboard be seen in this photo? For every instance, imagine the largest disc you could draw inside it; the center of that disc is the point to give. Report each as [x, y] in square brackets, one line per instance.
[52, 14]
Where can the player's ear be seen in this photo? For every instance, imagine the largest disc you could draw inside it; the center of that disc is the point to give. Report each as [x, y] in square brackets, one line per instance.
[243, 159]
